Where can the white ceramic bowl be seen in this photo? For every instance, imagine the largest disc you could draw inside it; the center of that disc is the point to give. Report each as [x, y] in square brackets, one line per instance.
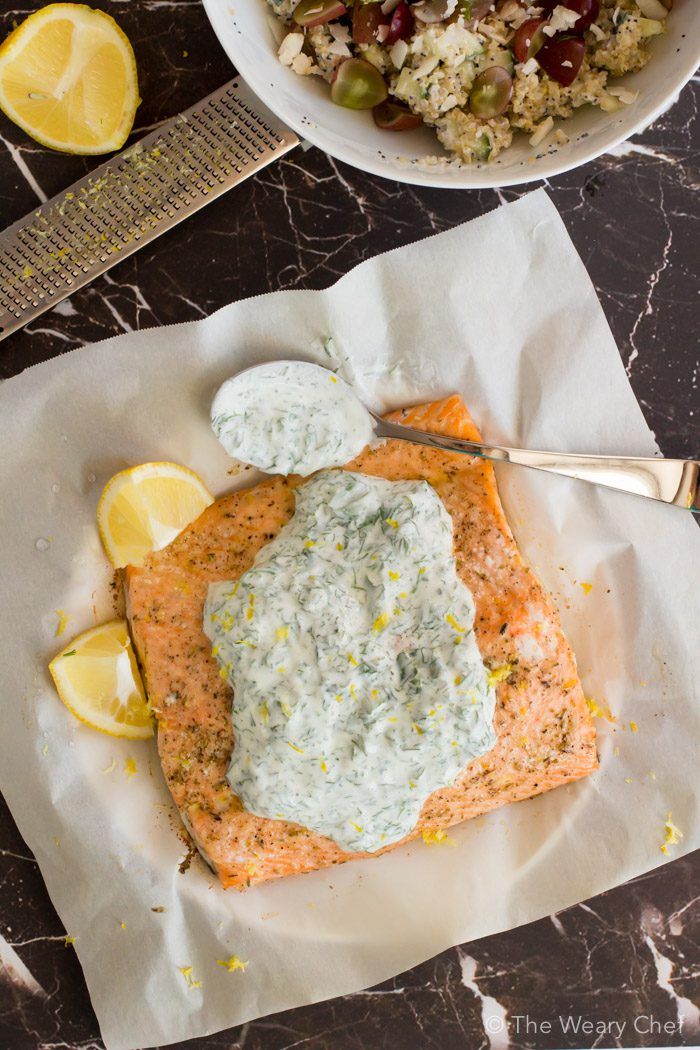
[250, 35]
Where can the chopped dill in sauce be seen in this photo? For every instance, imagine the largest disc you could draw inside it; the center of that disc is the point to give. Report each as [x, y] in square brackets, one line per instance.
[290, 417]
[352, 703]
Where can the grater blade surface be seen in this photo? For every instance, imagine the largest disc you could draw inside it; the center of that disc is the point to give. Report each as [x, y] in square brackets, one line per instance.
[133, 198]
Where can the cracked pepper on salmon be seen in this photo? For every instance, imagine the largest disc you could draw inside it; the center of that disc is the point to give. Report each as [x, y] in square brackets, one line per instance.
[544, 732]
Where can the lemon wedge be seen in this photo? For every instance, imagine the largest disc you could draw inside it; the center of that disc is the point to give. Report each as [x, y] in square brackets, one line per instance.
[144, 508]
[68, 78]
[98, 680]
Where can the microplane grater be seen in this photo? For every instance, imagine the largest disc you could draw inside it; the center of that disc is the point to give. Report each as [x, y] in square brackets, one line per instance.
[133, 198]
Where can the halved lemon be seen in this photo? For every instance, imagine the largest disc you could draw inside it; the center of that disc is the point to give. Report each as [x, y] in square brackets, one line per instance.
[98, 680]
[68, 78]
[143, 509]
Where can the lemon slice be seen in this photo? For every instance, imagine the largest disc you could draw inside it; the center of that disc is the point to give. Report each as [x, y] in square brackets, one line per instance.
[99, 682]
[68, 78]
[144, 508]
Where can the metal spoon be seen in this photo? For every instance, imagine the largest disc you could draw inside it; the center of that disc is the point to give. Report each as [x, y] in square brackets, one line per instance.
[673, 481]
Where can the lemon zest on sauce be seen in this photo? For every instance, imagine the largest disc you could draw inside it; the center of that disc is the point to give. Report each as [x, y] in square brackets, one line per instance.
[62, 622]
[129, 767]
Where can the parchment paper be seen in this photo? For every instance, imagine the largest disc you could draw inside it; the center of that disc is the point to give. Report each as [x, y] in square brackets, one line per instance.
[502, 311]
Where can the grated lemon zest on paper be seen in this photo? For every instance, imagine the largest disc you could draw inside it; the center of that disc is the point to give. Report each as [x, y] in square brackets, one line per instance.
[438, 838]
[232, 964]
[673, 835]
[600, 712]
[186, 972]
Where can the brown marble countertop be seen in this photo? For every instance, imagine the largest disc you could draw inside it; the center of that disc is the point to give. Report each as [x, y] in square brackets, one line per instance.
[622, 969]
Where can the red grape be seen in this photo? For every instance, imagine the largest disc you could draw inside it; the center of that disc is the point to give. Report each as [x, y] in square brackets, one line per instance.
[588, 11]
[391, 116]
[366, 20]
[561, 58]
[523, 38]
[401, 26]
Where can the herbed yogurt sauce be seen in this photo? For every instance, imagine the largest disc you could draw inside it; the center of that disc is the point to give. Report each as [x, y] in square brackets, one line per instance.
[358, 685]
[290, 417]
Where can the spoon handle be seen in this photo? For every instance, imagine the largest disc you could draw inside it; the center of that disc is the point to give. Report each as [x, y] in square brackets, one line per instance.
[673, 481]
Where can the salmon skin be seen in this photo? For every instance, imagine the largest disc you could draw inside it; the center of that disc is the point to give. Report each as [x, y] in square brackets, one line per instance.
[545, 732]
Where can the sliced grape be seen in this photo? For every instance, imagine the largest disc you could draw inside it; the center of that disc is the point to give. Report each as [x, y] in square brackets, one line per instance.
[431, 11]
[391, 116]
[491, 92]
[309, 13]
[588, 11]
[366, 20]
[475, 10]
[401, 25]
[561, 58]
[528, 39]
[358, 85]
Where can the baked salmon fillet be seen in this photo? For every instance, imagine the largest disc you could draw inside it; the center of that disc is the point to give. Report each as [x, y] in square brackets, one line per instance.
[545, 732]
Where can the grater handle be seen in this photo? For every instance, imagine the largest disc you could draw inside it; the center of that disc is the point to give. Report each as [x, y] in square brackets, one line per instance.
[133, 198]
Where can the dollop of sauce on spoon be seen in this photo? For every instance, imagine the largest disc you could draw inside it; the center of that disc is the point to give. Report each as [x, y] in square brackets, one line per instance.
[290, 417]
